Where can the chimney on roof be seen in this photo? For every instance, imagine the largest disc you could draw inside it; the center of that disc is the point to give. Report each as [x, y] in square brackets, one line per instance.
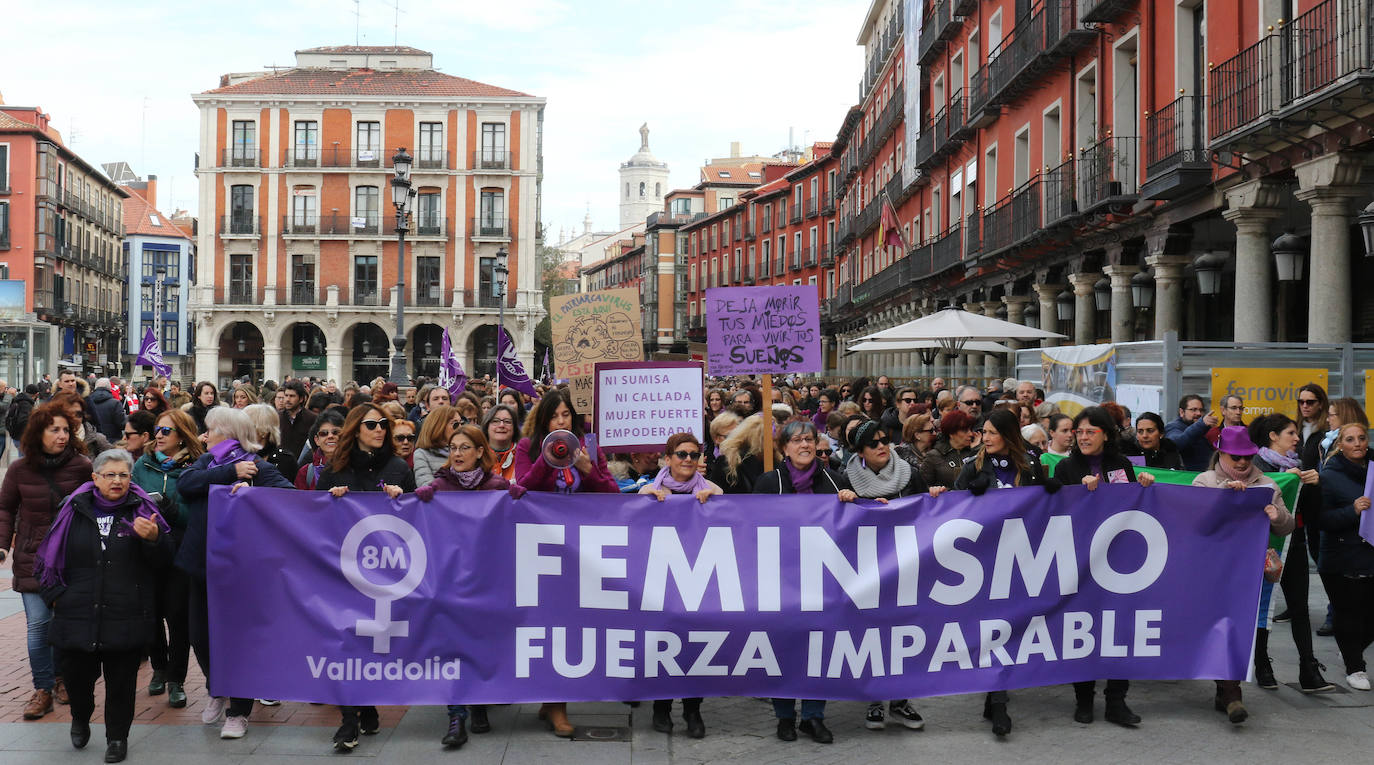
[734, 149]
[150, 192]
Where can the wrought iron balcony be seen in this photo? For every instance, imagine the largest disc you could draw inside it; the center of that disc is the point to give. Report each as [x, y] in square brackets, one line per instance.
[811, 207]
[827, 255]
[240, 225]
[828, 203]
[920, 260]
[368, 294]
[997, 234]
[973, 236]
[749, 233]
[486, 159]
[240, 156]
[938, 28]
[238, 294]
[981, 111]
[796, 214]
[1175, 157]
[302, 294]
[487, 227]
[925, 145]
[1060, 203]
[1025, 212]
[1108, 172]
[946, 251]
[1099, 11]
[766, 223]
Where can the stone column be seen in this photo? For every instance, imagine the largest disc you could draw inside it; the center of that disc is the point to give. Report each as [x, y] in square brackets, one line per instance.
[992, 366]
[1084, 307]
[1169, 276]
[1049, 311]
[334, 361]
[1251, 208]
[1123, 307]
[207, 358]
[271, 362]
[1328, 185]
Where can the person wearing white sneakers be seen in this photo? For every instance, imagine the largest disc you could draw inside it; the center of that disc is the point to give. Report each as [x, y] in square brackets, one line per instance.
[1347, 560]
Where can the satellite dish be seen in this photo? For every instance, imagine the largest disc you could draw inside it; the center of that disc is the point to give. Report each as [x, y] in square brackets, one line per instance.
[560, 449]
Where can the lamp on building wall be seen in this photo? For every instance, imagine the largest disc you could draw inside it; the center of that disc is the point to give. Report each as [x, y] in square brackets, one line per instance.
[401, 196]
[303, 345]
[1102, 294]
[1288, 252]
[1063, 303]
[1208, 268]
[429, 348]
[367, 347]
[1143, 290]
[1032, 315]
[1366, 219]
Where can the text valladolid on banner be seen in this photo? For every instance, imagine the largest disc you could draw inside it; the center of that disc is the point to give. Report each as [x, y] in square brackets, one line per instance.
[480, 598]
[1264, 391]
[589, 327]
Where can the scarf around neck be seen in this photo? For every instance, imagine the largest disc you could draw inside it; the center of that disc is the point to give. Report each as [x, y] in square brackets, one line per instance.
[665, 480]
[1279, 461]
[227, 452]
[52, 554]
[887, 483]
[1245, 476]
[802, 479]
[468, 479]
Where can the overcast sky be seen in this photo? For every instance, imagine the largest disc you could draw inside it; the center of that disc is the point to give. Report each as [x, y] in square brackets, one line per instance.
[117, 76]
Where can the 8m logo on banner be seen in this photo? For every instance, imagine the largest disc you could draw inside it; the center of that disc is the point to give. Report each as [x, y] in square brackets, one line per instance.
[410, 557]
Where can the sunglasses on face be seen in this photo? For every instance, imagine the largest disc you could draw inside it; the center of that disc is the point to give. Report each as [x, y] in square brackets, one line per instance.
[162, 430]
[374, 424]
[883, 439]
[683, 454]
[1307, 402]
[328, 433]
[824, 452]
[972, 402]
[1240, 457]
[908, 401]
[128, 434]
[407, 438]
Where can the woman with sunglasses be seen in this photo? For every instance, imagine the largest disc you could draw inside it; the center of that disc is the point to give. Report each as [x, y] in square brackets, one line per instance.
[1233, 467]
[918, 437]
[1096, 459]
[1313, 408]
[431, 449]
[500, 425]
[1347, 560]
[1002, 461]
[469, 467]
[153, 402]
[175, 446]
[403, 438]
[1278, 439]
[680, 476]
[871, 403]
[364, 461]
[324, 435]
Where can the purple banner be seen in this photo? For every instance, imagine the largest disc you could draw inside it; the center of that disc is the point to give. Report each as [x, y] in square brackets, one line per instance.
[763, 330]
[1367, 517]
[480, 598]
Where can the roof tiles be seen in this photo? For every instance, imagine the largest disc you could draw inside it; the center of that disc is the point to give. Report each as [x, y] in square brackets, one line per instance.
[366, 82]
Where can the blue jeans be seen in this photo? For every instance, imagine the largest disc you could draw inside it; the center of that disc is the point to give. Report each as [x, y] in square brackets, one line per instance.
[41, 661]
[458, 709]
[811, 709]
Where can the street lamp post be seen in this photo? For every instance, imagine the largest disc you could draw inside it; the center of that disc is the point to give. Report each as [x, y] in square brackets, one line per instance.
[502, 278]
[158, 287]
[400, 197]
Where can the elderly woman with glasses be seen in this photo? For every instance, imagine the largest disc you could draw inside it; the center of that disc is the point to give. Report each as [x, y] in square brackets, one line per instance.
[802, 473]
[98, 568]
[1233, 467]
[231, 459]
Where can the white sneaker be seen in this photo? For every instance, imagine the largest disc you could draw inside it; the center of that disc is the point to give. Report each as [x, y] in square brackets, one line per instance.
[1358, 680]
[270, 702]
[234, 727]
[214, 707]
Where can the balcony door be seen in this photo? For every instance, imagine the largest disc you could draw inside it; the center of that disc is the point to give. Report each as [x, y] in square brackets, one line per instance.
[494, 145]
[369, 144]
[431, 150]
[306, 146]
[302, 280]
[493, 220]
[241, 209]
[429, 216]
[245, 143]
[365, 280]
[241, 279]
[304, 210]
[367, 202]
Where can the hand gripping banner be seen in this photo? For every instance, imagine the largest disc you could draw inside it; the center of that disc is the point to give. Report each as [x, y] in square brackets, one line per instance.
[476, 597]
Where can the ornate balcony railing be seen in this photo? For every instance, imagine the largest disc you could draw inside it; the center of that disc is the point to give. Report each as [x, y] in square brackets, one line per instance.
[1107, 170]
[1059, 192]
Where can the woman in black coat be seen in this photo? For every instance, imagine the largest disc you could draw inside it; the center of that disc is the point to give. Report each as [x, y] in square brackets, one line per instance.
[1096, 459]
[98, 569]
[364, 461]
[1150, 443]
[1347, 560]
[1002, 461]
[802, 473]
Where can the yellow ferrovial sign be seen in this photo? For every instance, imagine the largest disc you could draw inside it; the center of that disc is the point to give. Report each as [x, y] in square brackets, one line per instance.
[1264, 391]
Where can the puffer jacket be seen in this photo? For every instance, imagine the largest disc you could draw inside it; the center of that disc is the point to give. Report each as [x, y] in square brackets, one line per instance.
[367, 471]
[29, 503]
[427, 463]
[943, 463]
[109, 414]
[109, 598]
[151, 476]
[1344, 551]
[1281, 526]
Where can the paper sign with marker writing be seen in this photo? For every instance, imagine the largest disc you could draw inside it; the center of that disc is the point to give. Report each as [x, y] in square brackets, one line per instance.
[763, 330]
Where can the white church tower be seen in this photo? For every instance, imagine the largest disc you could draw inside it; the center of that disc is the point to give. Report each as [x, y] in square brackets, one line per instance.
[643, 182]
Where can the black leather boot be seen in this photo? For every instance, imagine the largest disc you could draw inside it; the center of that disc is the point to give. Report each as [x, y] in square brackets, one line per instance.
[1264, 668]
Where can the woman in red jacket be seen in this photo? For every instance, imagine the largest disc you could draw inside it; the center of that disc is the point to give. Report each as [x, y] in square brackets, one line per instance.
[53, 466]
[556, 412]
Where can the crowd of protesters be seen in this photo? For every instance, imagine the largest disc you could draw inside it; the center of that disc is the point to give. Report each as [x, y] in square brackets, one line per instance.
[109, 478]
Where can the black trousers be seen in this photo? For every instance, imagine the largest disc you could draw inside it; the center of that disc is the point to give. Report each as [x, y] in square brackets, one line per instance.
[1295, 585]
[170, 651]
[80, 670]
[1352, 617]
[1116, 689]
[198, 610]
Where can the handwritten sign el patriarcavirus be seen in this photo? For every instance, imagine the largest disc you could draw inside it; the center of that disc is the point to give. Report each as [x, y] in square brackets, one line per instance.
[589, 327]
[763, 330]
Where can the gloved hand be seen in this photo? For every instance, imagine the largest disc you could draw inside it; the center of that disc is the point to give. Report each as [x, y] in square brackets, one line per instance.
[516, 491]
[425, 493]
[1052, 485]
[980, 484]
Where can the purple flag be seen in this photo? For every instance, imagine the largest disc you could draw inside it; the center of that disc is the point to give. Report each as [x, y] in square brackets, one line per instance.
[475, 597]
[510, 372]
[548, 370]
[451, 375]
[1367, 517]
[150, 354]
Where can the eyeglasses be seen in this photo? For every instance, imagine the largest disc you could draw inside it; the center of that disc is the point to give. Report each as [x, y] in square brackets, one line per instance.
[374, 424]
[114, 476]
[407, 437]
[162, 430]
[464, 448]
[908, 401]
[683, 454]
[1088, 432]
[799, 440]
[502, 421]
[926, 430]
[322, 433]
[972, 402]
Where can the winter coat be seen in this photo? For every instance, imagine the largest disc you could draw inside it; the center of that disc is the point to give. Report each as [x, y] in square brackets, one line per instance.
[979, 481]
[1074, 468]
[23, 405]
[536, 475]
[28, 505]
[942, 463]
[109, 599]
[779, 481]
[1191, 440]
[1281, 526]
[295, 434]
[746, 474]
[198, 412]
[1344, 552]
[427, 462]
[308, 476]
[368, 471]
[109, 414]
[151, 476]
[194, 487]
[95, 440]
[284, 461]
[1165, 457]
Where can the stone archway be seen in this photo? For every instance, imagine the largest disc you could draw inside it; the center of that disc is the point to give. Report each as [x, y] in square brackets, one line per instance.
[371, 352]
[304, 350]
[424, 342]
[240, 353]
[481, 348]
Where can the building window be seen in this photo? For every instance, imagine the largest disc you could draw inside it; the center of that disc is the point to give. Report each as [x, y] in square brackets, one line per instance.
[245, 143]
[241, 209]
[431, 154]
[303, 279]
[170, 336]
[241, 279]
[427, 281]
[488, 296]
[429, 216]
[4, 224]
[145, 301]
[641, 189]
[493, 210]
[367, 209]
[4, 166]
[306, 150]
[365, 280]
[304, 210]
[493, 145]
[658, 191]
[171, 298]
[369, 144]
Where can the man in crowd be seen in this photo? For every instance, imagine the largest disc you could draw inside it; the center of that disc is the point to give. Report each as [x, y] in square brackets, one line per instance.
[970, 402]
[296, 420]
[17, 413]
[885, 385]
[435, 398]
[1189, 432]
[1025, 392]
[176, 396]
[109, 413]
[7, 395]
[1232, 413]
[937, 385]
[897, 415]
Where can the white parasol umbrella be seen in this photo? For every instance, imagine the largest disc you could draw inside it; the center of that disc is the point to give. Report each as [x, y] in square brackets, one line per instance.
[901, 346]
[951, 329]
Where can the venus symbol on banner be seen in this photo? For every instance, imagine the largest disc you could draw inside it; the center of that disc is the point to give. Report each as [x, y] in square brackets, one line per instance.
[411, 556]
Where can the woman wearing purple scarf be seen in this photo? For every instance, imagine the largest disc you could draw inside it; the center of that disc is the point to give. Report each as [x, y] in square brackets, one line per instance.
[802, 473]
[98, 568]
[681, 476]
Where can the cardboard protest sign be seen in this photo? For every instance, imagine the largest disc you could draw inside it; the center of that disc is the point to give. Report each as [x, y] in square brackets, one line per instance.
[640, 404]
[763, 330]
[589, 327]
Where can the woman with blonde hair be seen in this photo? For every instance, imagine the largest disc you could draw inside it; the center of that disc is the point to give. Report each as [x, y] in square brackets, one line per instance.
[267, 423]
[740, 462]
[431, 451]
[243, 397]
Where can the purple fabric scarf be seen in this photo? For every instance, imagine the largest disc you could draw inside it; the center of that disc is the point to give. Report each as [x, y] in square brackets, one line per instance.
[1280, 461]
[228, 452]
[52, 554]
[665, 480]
[468, 479]
[801, 479]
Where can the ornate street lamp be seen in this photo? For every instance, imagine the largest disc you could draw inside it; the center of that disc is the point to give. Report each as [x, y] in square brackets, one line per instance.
[502, 278]
[400, 198]
[1032, 315]
[1366, 219]
[1063, 303]
[1102, 294]
[1288, 252]
[1143, 290]
[1208, 267]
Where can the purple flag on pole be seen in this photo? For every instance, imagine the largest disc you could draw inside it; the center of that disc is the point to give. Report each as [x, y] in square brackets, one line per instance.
[451, 375]
[150, 354]
[548, 370]
[513, 374]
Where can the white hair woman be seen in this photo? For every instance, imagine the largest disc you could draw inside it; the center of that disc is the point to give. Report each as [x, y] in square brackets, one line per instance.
[267, 425]
[231, 460]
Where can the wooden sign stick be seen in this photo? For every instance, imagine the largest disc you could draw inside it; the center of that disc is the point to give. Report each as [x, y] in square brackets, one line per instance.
[767, 422]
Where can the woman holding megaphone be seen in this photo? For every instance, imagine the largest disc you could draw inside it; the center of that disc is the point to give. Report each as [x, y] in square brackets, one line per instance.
[553, 456]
